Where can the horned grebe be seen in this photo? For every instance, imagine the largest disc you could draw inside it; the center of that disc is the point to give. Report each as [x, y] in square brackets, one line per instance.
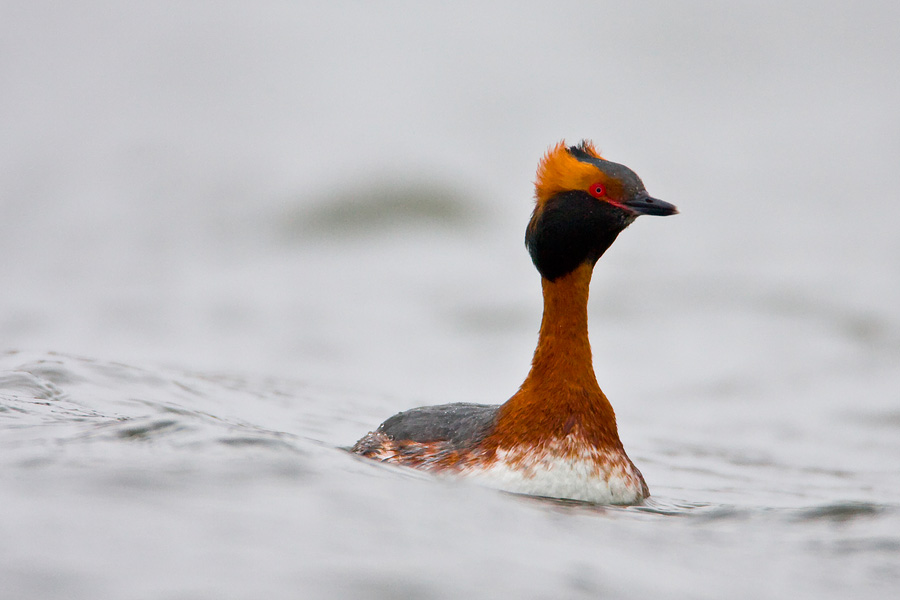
[557, 435]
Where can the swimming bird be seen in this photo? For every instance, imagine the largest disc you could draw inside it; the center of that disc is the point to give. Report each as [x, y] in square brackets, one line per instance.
[556, 436]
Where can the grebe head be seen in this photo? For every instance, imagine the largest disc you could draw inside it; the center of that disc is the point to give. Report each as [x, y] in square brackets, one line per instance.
[583, 203]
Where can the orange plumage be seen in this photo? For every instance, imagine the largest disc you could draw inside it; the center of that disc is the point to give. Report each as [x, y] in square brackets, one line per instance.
[561, 396]
[559, 171]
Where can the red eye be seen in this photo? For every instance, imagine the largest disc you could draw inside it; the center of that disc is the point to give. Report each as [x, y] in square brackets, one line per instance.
[597, 190]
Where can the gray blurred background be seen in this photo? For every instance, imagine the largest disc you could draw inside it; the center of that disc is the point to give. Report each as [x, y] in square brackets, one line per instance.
[339, 190]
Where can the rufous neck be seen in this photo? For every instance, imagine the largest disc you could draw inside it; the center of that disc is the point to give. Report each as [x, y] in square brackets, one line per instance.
[560, 397]
[563, 353]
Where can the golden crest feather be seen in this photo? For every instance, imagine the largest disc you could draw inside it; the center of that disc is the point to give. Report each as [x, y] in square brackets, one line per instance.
[559, 171]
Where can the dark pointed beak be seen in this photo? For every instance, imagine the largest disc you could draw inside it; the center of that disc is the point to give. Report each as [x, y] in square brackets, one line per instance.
[643, 204]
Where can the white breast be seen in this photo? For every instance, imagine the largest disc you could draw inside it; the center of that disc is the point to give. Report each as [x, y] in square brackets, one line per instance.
[563, 469]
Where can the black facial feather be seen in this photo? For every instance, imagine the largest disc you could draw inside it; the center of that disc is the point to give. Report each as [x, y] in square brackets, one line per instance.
[570, 229]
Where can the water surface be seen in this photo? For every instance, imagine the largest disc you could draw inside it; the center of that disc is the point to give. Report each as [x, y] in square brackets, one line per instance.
[125, 481]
